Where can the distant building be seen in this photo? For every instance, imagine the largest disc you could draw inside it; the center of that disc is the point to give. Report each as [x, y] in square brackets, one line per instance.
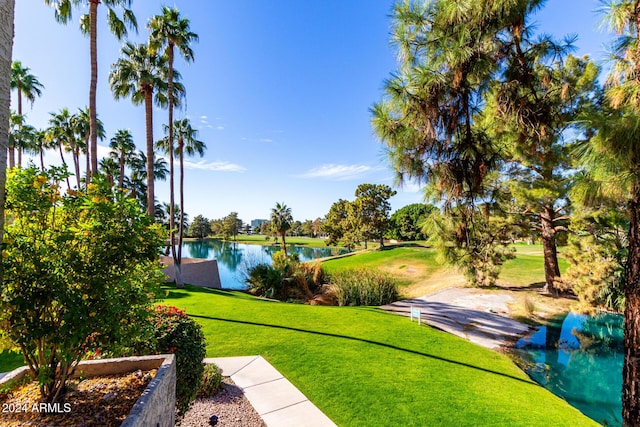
[257, 223]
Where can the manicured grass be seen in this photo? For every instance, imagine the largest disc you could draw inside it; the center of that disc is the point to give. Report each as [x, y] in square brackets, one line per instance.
[10, 360]
[259, 239]
[366, 367]
[527, 270]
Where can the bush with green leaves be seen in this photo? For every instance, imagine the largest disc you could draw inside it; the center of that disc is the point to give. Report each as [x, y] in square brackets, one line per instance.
[363, 287]
[211, 381]
[79, 265]
[177, 333]
[597, 254]
[286, 278]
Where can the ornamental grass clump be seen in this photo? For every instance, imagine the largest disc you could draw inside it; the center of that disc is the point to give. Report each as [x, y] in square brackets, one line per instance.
[77, 267]
[363, 287]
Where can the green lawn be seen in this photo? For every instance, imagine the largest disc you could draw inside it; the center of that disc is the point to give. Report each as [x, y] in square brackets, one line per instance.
[366, 367]
[527, 269]
[259, 239]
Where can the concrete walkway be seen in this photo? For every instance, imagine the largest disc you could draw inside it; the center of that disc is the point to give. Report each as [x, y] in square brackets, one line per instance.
[277, 401]
[468, 313]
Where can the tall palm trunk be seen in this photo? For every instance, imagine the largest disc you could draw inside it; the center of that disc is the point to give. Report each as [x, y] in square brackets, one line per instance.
[549, 250]
[93, 122]
[20, 114]
[76, 163]
[12, 155]
[41, 155]
[284, 243]
[148, 106]
[87, 171]
[6, 44]
[177, 261]
[121, 176]
[181, 226]
[64, 163]
[631, 367]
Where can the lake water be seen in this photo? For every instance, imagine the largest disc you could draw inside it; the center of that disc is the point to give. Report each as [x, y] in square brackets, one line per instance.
[580, 358]
[235, 258]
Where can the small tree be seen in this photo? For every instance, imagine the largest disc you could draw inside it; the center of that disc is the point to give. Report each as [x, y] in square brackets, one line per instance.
[76, 266]
[200, 227]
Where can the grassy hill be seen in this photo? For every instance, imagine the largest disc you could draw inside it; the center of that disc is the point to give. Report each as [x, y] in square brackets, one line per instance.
[365, 367]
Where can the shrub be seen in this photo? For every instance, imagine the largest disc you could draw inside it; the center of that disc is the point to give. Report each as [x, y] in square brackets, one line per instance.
[286, 278]
[177, 333]
[75, 266]
[363, 287]
[211, 381]
[265, 280]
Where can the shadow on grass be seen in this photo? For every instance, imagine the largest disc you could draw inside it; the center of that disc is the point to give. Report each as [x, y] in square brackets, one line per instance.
[390, 346]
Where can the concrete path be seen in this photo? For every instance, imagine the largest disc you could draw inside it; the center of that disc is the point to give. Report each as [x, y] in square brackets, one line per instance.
[468, 313]
[277, 401]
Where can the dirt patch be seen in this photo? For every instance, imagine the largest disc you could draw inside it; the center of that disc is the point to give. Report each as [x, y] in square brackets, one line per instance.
[433, 282]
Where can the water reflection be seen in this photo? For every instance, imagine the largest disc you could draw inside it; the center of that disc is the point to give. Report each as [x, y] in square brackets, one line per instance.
[580, 358]
[234, 258]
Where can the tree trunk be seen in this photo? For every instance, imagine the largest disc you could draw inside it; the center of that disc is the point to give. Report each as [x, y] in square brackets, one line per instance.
[12, 154]
[181, 225]
[176, 261]
[93, 122]
[6, 45]
[284, 244]
[121, 176]
[550, 253]
[76, 162]
[631, 367]
[87, 171]
[151, 200]
[64, 163]
[20, 114]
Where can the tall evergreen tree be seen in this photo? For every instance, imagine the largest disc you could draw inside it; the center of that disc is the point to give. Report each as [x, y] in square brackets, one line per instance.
[613, 158]
[427, 118]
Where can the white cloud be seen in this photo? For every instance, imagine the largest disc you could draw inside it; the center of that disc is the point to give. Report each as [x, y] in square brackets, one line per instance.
[203, 118]
[215, 166]
[338, 172]
[219, 127]
[266, 140]
[410, 187]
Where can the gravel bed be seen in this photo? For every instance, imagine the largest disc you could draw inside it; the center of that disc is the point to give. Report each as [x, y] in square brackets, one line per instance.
[230, 406]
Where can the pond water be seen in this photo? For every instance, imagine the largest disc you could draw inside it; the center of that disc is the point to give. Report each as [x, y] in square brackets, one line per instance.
[579, 358]
[235, 258]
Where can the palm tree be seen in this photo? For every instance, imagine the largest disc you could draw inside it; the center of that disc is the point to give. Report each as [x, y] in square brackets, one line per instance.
[281, 220]
[89, 25]
[139, 74]
[62, 132]
[123, 148]
[82, 124]
[26, 84]
[21, 136]
[169, 31]
[136, 181]
[186, 137]
[6, 44]
[109, 167]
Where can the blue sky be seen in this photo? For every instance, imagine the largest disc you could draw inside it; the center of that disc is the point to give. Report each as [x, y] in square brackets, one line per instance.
[280, 91]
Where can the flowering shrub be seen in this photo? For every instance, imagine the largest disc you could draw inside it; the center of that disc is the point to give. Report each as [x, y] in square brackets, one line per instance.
[77, 267]
[177, 333]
